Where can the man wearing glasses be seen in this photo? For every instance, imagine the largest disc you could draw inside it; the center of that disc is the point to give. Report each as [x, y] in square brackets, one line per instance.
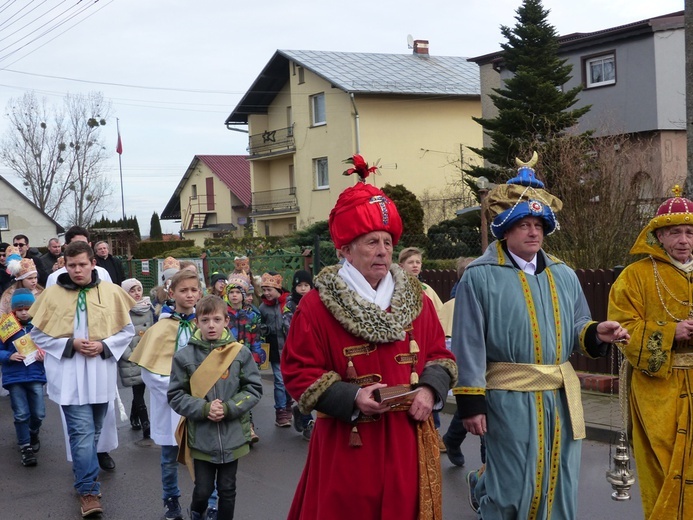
[21, 242]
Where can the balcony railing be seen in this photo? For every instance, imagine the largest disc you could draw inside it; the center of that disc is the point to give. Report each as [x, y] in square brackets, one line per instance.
[275, 201]
[272, 141]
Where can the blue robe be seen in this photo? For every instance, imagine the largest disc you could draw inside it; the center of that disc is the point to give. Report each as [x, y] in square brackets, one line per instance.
[533, 461]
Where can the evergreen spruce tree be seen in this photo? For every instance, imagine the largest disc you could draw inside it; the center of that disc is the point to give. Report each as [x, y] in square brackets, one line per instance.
[411, 212]
[533, 109]
[135, 226]
[155, 228]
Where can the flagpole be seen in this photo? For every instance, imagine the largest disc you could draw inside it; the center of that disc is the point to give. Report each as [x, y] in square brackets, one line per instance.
[120, 167]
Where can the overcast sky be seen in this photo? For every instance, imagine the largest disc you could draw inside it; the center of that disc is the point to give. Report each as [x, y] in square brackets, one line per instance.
[175, 69]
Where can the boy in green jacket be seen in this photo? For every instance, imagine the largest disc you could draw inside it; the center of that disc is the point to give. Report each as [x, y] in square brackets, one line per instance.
[214, 384]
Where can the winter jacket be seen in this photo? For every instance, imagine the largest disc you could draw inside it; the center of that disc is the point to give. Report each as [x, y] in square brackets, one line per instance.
[244, 325]
[271, 312]
[239, 389]
[114, 267]
[142, 320]
[16, 371]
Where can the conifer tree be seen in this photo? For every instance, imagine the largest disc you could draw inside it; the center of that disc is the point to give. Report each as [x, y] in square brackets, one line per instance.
[532, 107]
[155, 228]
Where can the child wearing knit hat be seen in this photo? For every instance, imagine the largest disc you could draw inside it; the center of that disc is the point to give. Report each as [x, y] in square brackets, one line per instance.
[25, 277]
[244, 324]
[142, 316]
[23, 374]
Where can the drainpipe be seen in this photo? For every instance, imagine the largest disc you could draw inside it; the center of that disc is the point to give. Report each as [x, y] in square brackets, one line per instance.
[356, 124]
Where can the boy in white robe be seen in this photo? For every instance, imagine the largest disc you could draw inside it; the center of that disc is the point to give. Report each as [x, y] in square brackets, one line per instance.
[84, 326]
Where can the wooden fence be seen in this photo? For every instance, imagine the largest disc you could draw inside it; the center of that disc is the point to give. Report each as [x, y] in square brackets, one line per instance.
[596, 285]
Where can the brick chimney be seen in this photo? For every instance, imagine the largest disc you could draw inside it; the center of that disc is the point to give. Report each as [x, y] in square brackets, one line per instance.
[421, 47]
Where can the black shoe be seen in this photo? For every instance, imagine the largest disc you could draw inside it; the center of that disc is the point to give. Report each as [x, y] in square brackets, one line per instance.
[28, 456]
[106, 462]
[454, 453]
[135, 421]
[297, 420]
[146, 430]
[35, 442]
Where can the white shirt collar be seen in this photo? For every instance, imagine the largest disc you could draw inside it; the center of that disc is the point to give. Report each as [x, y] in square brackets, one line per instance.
[528, 267]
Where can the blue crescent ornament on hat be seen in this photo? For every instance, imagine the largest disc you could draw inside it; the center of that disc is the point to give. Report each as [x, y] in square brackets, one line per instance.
[522, 196]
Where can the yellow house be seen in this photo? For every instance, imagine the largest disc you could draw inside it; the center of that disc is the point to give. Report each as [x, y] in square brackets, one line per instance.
[308, 111]
[212, 199]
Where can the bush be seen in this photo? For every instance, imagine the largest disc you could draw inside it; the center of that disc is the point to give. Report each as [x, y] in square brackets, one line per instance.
[156, 248]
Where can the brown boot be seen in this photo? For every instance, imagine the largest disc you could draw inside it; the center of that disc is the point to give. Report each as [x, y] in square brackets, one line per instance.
[282, 418]
[90, 505]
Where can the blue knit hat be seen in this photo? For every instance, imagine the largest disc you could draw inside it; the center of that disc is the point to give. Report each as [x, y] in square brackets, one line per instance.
[22, 298]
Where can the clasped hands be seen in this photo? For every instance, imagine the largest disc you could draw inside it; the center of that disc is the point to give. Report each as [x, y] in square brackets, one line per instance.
[216, 411]
[420, 409]
[87, 348]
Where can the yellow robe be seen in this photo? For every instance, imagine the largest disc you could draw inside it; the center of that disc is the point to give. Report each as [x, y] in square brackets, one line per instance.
[661, 403]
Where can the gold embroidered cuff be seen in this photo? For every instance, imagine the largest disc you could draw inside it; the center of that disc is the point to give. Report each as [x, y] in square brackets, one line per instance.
[468, 390]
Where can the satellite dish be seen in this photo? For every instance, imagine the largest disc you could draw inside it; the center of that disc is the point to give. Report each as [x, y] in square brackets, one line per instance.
[410, 41]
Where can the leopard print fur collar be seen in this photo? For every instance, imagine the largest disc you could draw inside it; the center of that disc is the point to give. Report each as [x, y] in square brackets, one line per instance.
[364, 319]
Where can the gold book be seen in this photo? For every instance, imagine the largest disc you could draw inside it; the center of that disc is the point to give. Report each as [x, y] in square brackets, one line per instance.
[9, 326]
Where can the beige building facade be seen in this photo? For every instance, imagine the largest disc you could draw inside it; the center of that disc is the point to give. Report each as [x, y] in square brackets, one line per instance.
[395, 110]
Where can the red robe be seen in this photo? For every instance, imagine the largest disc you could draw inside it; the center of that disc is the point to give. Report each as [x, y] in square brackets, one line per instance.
[378, 480]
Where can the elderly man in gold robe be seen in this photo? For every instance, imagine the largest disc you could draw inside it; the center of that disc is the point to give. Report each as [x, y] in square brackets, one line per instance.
[653, 298]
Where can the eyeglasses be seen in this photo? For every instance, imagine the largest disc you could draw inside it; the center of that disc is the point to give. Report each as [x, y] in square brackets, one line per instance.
[19, 244]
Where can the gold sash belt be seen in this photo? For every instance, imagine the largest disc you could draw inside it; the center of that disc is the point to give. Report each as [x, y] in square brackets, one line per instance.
[524, 377]
[682, 360]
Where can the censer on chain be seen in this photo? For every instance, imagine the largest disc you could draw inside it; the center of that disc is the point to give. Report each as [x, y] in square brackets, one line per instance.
[619, 474]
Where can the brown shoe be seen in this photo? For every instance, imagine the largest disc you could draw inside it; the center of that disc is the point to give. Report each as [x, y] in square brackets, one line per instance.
[441, 444]
[282, 418]
[90, 505]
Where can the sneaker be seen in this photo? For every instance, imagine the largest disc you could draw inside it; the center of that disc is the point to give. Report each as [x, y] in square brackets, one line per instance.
[90, 505]
[296, 415]
[212, 513]
[282, 418]
[28, 456]
[35, 442]
[441, 444]
[106, 462]
[472, 480]
[253, 440]
[308, 430]
[172, 510]
[454, 453]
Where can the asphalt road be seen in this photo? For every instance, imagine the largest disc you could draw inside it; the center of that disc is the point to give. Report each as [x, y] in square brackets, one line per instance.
[266, 477]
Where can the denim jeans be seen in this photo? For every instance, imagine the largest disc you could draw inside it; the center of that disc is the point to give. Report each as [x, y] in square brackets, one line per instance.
[457, 433]
[84, 423]
[29, 409]
[169, 471]
[206, 474]
[281, 396]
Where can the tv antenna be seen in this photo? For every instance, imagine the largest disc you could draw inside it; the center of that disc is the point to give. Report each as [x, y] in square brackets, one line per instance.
[410, 41]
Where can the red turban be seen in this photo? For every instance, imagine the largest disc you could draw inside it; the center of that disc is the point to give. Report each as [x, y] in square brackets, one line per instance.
[362, 209]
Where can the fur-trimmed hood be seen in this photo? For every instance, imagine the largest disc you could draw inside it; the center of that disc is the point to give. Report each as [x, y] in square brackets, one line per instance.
[364, 319]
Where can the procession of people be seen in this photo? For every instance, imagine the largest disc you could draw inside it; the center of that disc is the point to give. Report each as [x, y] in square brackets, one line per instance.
[361, 358]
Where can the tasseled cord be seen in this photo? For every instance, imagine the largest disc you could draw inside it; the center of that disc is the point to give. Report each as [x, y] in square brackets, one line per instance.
[355, 438]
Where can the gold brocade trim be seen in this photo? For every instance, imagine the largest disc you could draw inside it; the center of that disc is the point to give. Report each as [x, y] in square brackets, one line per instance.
[583, 335]
[468, 390]
[406, 359]
[368, 379]
[525, 377]
[657, 356]
[534, 323]
[358, 350]
[499, 252]
[555, 463]
[556, 314]
[682, 360]
[430, 476]
[541, 441]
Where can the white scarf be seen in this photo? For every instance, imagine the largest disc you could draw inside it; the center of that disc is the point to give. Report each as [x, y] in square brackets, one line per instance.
[356, 282]
[686, 268]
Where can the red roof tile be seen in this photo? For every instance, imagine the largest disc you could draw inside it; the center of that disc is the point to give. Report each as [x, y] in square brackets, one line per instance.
[234, 171]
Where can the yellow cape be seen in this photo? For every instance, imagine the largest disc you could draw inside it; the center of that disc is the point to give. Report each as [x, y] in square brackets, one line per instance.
[156, 348]
[108, 311]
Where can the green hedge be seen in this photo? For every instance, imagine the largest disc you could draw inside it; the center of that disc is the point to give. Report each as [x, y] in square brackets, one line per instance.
[154, 248]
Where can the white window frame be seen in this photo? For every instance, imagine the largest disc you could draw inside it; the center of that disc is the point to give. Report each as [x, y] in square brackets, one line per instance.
[324, 182]
[318, 110]
[4, 222]
[600, 61]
